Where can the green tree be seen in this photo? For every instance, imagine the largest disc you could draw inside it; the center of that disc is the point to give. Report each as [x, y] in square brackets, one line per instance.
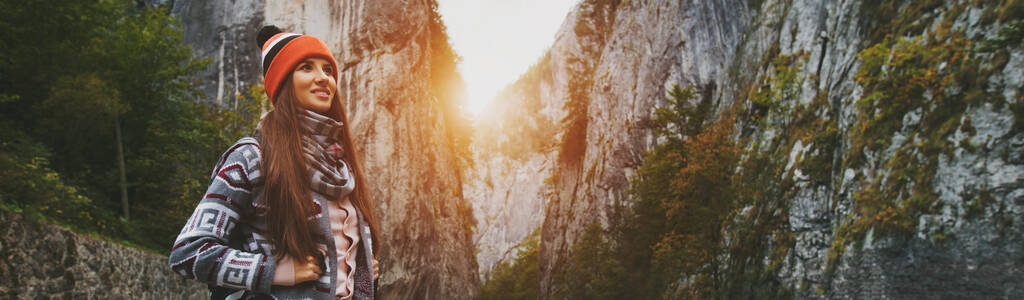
[703, 194]
[594, 270]
[31, 187]
[108, 88]
[519, 279]
[670, 236]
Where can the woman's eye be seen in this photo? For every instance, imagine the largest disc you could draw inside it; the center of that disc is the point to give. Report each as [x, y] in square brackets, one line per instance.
[329, 71]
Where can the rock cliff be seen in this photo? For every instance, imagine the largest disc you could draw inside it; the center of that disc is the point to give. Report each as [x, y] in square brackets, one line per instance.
[43, 261]
[384, 51]
[514, 150]
[899, 131]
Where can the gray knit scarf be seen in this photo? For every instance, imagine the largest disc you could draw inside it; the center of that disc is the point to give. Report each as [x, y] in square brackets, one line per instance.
[331, 177]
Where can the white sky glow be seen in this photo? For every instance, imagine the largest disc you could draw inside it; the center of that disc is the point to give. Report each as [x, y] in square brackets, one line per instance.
[499, 40]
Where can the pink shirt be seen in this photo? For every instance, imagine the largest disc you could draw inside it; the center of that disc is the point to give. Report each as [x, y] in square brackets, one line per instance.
[345, 229]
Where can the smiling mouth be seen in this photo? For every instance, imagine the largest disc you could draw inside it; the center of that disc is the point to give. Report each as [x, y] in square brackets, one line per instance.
[321, 93]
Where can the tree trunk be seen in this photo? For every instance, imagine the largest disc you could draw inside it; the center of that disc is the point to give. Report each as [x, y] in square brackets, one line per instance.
[120, 165]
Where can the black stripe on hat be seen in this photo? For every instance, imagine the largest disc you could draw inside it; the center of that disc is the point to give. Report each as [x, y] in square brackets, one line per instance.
[273, 52]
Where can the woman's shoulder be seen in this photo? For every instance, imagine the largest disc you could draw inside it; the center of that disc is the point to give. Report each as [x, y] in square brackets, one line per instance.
[246, 144]
[244, 153]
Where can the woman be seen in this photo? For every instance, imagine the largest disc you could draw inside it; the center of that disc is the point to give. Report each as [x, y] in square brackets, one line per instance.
[287, 213]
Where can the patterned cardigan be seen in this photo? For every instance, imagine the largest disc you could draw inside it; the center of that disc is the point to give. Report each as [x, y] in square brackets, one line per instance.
[223, 245]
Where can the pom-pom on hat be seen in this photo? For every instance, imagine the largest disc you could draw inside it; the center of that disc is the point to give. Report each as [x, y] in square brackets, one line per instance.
[281, 51]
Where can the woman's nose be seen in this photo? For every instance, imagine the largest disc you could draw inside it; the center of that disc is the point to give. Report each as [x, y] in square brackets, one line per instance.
[322, 76]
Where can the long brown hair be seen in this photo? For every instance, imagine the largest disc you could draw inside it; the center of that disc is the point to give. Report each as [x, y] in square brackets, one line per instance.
[290, 226]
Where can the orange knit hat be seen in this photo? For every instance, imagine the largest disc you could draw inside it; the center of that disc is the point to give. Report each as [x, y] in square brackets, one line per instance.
[281, 51]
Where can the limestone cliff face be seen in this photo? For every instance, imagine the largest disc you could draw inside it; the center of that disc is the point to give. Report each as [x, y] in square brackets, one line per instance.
[223, 31]
[383, 51]
[729, 50]
[978, 248]
[44, 261]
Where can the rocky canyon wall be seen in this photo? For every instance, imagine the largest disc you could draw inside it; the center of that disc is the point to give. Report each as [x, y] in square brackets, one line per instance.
[877, 195]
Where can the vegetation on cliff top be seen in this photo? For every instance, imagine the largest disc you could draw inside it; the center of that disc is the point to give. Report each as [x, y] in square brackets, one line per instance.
[592, 30]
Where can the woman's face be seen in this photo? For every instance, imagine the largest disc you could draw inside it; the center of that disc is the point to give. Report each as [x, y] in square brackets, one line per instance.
[314, 84]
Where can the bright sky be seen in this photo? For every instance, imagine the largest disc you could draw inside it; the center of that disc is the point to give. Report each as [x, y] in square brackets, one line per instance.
[499, 40]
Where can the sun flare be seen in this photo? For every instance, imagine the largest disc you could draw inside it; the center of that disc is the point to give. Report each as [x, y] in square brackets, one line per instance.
[499, 40]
